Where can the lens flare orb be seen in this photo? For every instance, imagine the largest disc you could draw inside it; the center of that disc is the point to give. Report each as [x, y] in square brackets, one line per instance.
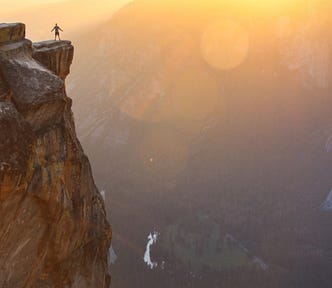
[224, 44]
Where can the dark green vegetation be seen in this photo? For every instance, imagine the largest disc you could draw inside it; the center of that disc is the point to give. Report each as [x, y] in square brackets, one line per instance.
[200, 244]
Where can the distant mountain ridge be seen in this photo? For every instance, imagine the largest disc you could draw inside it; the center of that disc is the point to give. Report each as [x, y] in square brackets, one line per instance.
[171, 136]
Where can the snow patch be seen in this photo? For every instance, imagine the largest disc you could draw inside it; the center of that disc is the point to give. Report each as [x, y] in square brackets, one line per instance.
[102, 193]
[152, 239]
[112, 255]
[327, 205]
[261, 264]
[328, 144]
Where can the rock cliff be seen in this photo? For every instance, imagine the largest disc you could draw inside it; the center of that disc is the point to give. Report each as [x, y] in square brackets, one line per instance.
[53, 228]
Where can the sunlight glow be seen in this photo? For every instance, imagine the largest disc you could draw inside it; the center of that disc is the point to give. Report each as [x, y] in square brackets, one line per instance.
[270, 4]
[225, 44]
[194, 95]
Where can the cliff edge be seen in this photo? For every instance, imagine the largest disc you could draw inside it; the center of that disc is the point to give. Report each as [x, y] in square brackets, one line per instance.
[53, 228]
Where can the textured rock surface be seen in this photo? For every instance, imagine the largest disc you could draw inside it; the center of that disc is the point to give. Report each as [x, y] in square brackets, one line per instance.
[56, 56]
[37, 93]
[53, 228]
[12, 32]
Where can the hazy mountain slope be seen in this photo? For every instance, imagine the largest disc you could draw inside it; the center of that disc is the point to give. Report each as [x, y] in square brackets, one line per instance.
[175, 137]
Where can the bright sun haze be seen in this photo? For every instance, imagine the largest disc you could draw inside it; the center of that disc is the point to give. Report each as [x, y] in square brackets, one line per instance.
[19, 4]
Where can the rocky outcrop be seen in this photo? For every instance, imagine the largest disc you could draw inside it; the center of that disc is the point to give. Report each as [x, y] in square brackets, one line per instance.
[56, 56]
[37, 93]
[53, 228]
[11, 32]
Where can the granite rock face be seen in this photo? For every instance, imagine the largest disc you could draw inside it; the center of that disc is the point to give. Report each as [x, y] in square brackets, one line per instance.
[53, 228]
[56, 56]
[12, 32]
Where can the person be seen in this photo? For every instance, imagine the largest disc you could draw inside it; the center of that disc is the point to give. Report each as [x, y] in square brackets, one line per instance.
[57, 30]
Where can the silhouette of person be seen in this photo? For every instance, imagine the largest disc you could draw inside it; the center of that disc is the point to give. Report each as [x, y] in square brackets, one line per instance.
[56, 30]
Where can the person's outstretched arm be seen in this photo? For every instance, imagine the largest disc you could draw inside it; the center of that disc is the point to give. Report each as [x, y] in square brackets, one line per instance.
[52, 29]
[60, 29]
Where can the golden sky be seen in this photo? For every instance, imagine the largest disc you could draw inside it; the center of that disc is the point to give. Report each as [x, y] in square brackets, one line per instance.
[71, 15]
[74, 15]
[254, 4]
[13, 5]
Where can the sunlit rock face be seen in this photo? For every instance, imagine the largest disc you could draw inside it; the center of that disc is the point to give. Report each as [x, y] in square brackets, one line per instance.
[12, 32]
[53, 228]
[48, 51]
[309, 54]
